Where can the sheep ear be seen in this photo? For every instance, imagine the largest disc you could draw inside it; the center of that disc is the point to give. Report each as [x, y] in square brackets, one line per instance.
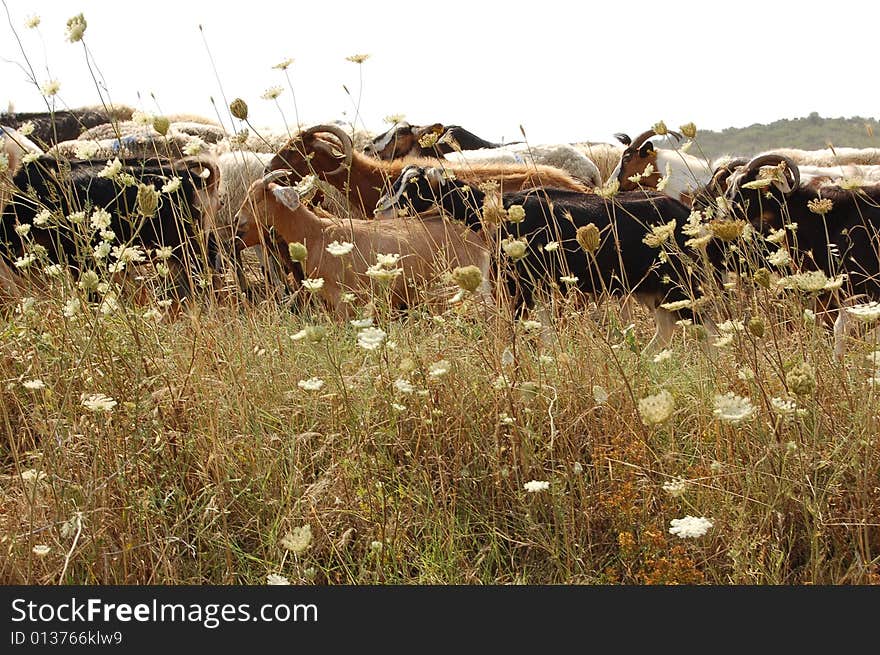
[287, 196]
[623, 138]
[647, 148]
[434, 176]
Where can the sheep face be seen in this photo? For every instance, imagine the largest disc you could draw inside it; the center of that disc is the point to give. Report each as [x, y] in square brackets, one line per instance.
[634, 160]
[396, 142]
[757, 195]
[260, 209]
[403, 140]
[416, 189]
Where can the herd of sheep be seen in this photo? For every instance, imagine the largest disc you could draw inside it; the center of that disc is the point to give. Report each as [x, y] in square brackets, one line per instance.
[528, 217]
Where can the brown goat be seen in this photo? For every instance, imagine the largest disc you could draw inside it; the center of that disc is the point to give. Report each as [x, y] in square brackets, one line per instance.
[428, 246]
[364, 180]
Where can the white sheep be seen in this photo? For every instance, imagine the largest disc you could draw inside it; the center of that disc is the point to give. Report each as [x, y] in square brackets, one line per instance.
[563, 156]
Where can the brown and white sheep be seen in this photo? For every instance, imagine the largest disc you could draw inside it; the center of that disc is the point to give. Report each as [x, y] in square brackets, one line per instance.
[364, 180]
[427, 247]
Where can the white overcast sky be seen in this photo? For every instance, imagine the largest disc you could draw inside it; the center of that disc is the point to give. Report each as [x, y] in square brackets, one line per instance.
[563, 70]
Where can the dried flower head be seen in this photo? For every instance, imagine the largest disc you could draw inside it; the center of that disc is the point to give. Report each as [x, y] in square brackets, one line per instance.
[340, 249]
[276, 579]
[588, 237]
[779, 258]
[76, 26]
[675, 487]
[514, 248]
[660, 128]
[32, 22]
[313, 284]
[516, 214]
[820, 206]
[371, 338]
[725, 229]
[657, 408]
[50, 88]
[867, 312]
[660, 234]
[689, 130]
[439, 368]
[357, 59]
[312, 384]
[468, 278]
[608, 190]
[801, 380]
[298, 540]
[284, 64]
[98, 402]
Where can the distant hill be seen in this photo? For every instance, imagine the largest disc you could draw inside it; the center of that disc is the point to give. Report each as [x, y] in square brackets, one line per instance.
[810, 133]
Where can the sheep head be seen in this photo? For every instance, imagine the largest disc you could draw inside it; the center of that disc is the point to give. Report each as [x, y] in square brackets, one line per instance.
[260, 210]
[311, 152]
[417, 189]
[748, 186]
[403, 140]
[635, 159]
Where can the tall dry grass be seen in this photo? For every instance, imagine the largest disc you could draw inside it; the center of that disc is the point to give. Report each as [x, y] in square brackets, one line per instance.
[143, 445]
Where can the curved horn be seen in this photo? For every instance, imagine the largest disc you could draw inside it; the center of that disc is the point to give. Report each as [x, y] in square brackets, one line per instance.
[344, 139]
[274, 176]
[792, 171]
[639, 141]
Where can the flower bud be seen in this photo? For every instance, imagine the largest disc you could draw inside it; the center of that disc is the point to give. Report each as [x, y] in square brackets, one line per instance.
[756, 327]
[239, 109]
[298, 251]
[147, 200]
[161, 125]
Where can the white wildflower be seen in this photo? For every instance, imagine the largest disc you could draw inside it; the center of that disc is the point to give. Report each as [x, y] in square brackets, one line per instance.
[276, 579]
[439, 368]
[534, 486]
[675, 487]
[657, 408]
[98, 402]
[298, 540]
[171, 185]
[312, 384]
[867, 312]
[371, 338]
[313, 284]
[690, 527]
[339, 249]
[733, 409]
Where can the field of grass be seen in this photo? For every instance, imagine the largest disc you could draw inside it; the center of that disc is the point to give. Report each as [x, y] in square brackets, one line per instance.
[246, 442]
